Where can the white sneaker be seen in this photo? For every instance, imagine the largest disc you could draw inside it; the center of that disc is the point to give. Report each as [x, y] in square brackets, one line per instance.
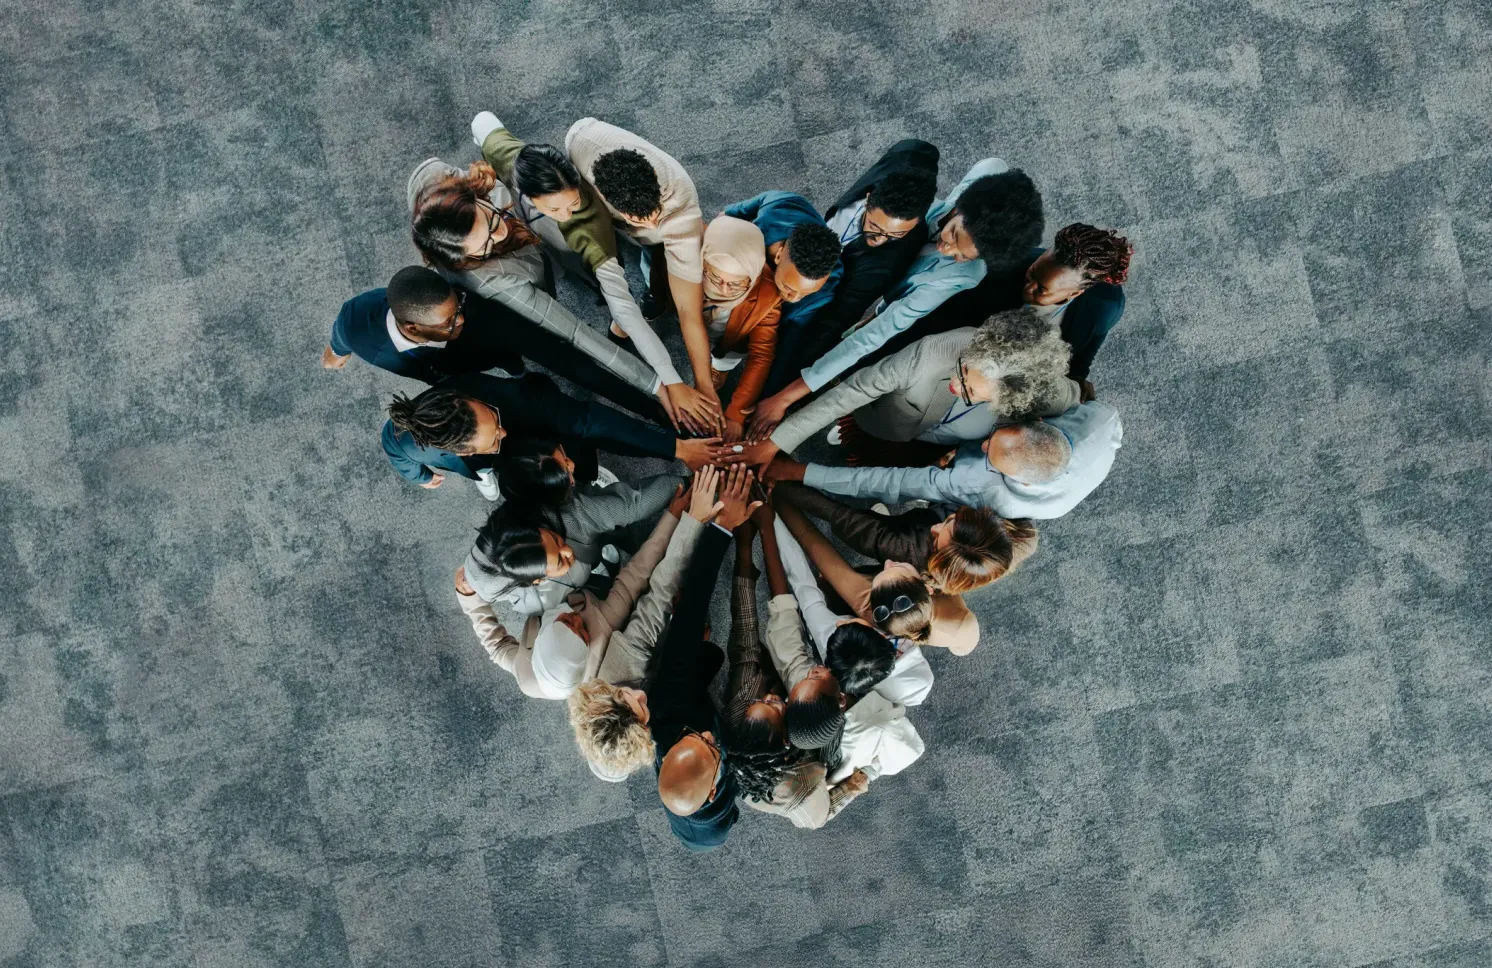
[604, 476]
[482, 125]
[834, 437]
[881, 509]
[487, 484]
[610, 555]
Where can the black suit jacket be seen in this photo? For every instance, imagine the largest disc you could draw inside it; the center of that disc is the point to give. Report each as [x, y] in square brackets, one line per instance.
[531, 406]
[868, 271]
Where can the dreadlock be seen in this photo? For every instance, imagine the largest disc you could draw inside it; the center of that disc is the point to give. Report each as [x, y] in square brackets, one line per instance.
[1099, 254]
[436, 418]
[757, 774]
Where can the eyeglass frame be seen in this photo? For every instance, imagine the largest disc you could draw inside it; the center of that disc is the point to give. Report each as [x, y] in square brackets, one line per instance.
[963, 384]
[882, 613]
[719, 756]
[868, 233]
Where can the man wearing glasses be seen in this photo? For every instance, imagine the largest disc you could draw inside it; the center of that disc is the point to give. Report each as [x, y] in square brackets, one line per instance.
[881, 226]
[697, 790]
[943, 390]
[422, 328]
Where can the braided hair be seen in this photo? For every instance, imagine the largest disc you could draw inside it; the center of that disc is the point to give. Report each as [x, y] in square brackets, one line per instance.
[435, 418]
[1100, 255]
[758, 757]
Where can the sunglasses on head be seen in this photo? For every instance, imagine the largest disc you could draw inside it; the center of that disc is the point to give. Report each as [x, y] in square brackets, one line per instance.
[899, 604]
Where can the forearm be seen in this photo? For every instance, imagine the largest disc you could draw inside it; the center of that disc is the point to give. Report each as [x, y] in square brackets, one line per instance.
[494, 638]
[624, 310]
[777, 583]
[850, 585]
[816, 613]
[679, 654]
[688, 299]
[865, 532]
[636, 573]
[753, 375]
[619, 433]
[784, 641]
[892, 485]
[840, 796]
[536, 305]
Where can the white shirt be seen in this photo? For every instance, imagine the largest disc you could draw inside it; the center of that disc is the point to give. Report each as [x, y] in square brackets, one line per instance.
[911, 677]
[848, 223]
[403, 343]
[878, 738]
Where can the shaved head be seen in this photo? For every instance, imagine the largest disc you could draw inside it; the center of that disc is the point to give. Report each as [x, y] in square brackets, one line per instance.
[686, 777]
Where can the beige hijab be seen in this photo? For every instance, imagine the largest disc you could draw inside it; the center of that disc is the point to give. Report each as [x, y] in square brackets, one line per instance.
[734, 247]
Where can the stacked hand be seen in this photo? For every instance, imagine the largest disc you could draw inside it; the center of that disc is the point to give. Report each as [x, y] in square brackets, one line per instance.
[733, 505]
[680, 501]
[700, 451]
[769, 414]
[697, 411]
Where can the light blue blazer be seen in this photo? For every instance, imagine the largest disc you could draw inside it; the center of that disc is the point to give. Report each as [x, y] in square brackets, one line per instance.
[932, 278]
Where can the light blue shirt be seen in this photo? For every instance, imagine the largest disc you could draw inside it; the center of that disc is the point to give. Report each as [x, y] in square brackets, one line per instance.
[931, 279]
[1093, 428]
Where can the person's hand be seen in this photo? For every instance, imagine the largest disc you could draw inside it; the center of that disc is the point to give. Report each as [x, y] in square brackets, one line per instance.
[734, 430]
[433, 482]
[702, 506]
[463, 587]
[696, 452]
[947, 458]
[331, 361]
[759, 453]
[769, 414]
[762, 518]
[666, 402]
[784, 469]
[735, 501]
[855, 784]
[697, 411]
[1086, 391]
[680, 500]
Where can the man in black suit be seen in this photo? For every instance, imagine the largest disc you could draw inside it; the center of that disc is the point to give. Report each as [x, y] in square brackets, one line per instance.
[458, 426]
[881, 227]
[423, 328]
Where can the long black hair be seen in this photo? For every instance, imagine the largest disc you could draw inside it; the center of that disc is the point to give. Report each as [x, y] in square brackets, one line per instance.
[543, 170]
[530, 475]
[859, 656]
[510, 545]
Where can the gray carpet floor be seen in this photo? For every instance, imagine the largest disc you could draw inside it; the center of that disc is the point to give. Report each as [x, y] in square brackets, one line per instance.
[1237, 712]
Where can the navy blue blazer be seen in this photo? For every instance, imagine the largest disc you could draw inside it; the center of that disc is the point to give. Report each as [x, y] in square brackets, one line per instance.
[679, 696]
[530, 406]
[362, 328]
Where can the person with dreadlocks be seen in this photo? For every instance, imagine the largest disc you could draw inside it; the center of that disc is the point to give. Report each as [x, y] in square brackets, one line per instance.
[771, 775]
[852, 706]
[458, 426]
[1078, 283]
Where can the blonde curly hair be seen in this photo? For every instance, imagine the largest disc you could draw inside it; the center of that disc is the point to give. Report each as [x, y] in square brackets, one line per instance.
[607, 731]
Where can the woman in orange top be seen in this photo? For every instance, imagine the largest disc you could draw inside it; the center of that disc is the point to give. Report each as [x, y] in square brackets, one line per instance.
[741, 310]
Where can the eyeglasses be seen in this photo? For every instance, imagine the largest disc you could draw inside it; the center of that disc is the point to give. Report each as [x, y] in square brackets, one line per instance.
[494, 219]
[449, 323]
[719, 756]
[725, 286]
[899, 604]
[963, 384]
[878, 234]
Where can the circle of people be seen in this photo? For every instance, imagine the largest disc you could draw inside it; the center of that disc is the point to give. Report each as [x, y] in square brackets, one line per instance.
[946, 354]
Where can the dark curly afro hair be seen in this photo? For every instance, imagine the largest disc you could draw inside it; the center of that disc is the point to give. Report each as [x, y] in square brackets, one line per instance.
[814, 250]
[1002, 214]
[904, 194]
[628, 183]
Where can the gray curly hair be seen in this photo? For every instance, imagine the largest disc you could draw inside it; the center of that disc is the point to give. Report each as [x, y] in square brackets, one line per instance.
[1024, 355]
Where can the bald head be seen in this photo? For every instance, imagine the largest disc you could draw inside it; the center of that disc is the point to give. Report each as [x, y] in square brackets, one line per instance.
[1032, 453]
[686, 777]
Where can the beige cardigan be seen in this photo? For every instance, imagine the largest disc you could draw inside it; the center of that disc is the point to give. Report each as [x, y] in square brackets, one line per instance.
[681, 231]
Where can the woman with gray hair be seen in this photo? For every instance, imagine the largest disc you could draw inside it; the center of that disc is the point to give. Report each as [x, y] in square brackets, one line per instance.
[912, 406]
